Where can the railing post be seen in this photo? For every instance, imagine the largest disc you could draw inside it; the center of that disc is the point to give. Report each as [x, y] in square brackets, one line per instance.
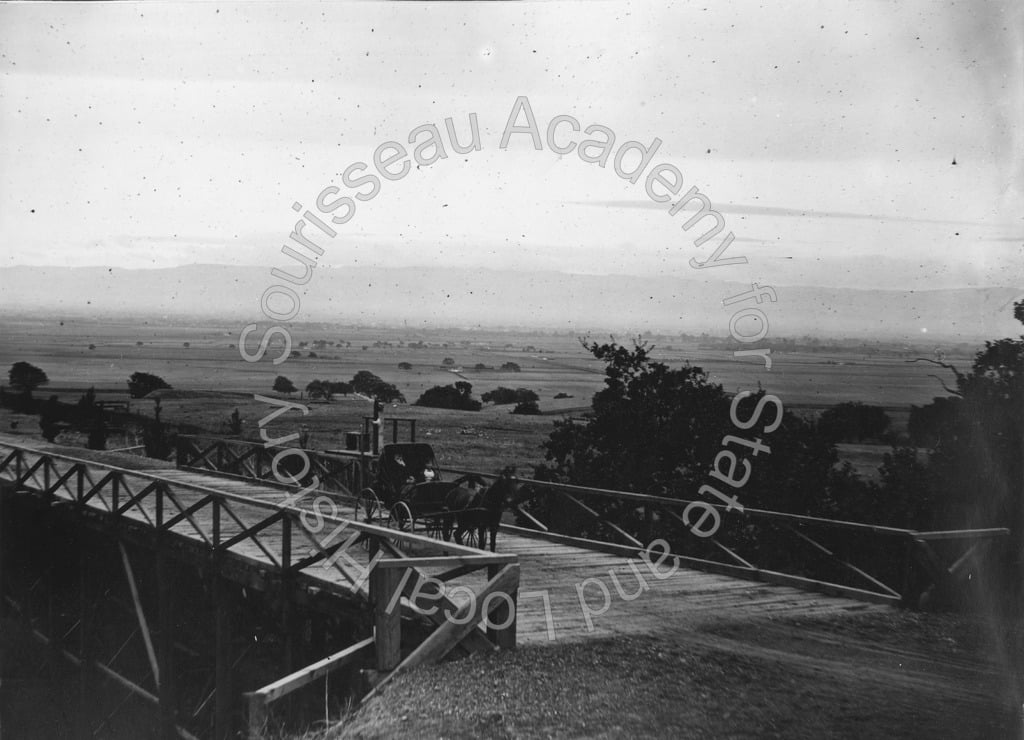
[165, 603]
[222, 606]
[505, 636]
[412, 430]
[256, 709]
[387, 624]
[287, 608]
[84, 653]
[216, 522]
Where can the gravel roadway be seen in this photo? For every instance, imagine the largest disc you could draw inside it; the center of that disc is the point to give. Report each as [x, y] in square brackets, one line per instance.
[892, 674]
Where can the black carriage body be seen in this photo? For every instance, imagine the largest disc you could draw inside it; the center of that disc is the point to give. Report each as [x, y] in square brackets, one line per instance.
[403, 469]
[409, 492]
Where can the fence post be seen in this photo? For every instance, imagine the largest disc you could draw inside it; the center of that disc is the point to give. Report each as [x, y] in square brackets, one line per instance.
[256, 709]
[504, 637]
[387, 624]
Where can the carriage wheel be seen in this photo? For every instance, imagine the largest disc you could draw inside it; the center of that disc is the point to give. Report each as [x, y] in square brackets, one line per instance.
[370, 503]
[470, 538]
[434, 527]
[400, 517]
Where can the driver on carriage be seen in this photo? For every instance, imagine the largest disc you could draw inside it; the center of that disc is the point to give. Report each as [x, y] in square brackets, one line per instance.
[411, 472]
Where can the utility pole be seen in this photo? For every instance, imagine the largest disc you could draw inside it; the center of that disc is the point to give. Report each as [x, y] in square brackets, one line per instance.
[378, 407]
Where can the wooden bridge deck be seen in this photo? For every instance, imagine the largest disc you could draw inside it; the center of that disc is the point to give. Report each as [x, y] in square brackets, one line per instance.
[549, 605]
[686, 598]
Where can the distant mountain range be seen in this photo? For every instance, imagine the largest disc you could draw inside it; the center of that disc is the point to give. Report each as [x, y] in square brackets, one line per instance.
[471, 297]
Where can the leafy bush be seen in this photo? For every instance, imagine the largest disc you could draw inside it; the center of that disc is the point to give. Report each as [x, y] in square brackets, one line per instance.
[338, 388]
[284, 385]
[503, 395]
[25, 377]
[316, 389]
[458, 396]
[142, 384]
[369, 384]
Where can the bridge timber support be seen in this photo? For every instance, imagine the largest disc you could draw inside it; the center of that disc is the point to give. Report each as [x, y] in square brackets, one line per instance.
[189, 611]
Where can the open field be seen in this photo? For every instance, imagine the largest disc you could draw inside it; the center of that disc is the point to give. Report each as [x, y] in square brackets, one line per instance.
[550, 363]
[211, 379]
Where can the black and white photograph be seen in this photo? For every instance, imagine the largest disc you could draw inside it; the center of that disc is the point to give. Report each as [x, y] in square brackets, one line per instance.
[511, 370]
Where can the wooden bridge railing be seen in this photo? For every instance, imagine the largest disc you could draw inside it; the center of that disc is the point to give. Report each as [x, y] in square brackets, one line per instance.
[864, 561]
[386, 572]
[823, 550]
[337, 473]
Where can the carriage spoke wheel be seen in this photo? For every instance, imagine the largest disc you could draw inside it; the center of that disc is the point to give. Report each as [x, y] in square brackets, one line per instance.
[400, 517]
[434, 527]
[370, 505]
[471, 538]
[372, 510]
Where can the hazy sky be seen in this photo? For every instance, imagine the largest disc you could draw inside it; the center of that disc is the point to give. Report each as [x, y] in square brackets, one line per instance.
[143, 135]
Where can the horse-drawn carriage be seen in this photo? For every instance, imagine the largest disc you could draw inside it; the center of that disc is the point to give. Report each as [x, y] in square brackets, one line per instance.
[409, 493]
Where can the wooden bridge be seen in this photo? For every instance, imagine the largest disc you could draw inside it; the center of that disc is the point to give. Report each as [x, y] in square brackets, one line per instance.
[208, 568]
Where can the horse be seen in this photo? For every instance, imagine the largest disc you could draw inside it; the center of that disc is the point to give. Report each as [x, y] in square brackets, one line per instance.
[480, 510]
